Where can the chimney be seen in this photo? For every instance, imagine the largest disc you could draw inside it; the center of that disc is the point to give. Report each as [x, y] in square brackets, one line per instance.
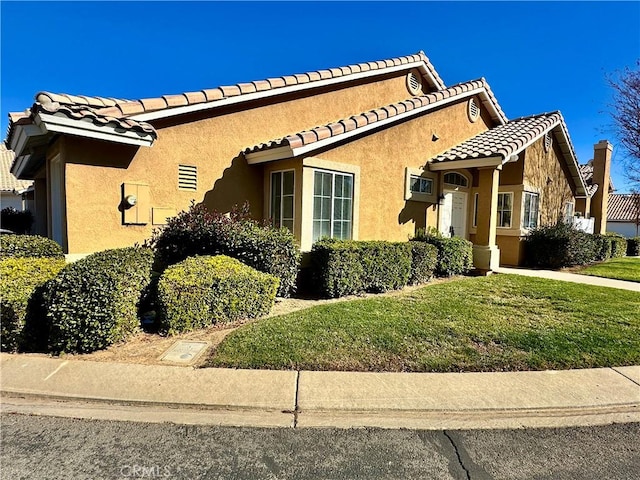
[601, 176]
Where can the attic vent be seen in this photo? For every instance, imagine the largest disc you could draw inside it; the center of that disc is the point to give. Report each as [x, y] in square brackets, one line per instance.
[187, 177]
[474, 110]
[414, 83]
[547, 141]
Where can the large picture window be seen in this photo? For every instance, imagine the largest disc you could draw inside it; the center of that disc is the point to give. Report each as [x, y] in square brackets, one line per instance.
[530, 210]
[505, 209]
[332, 205]
[282, 194]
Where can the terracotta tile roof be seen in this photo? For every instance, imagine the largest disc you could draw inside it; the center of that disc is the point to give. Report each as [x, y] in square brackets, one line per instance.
[623, 207]
[8, 182]
[370, 118]
[503, 140]
[87, 113]
[586, 171]
[114, 107]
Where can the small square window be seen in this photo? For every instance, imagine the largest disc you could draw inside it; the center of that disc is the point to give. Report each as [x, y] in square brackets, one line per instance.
[421, 185]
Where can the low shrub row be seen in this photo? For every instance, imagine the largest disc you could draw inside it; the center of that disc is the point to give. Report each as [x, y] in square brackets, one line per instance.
[346, 267]
[424, 262]
[22, 246]
[562, 245]
[204, 290]
[21, 277]
[618, 245]
[455, 255]
[198, 231]
[93, 302]
[633, 246]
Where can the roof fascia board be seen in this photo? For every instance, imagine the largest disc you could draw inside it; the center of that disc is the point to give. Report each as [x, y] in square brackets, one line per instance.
[19, 165]
[471, 163]
[536, 138]
[170, 112]
[57, 124]
[253, 158]
[488, 103]
[22, 136]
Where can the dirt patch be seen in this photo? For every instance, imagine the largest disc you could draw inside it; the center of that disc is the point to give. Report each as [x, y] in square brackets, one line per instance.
[147, 348]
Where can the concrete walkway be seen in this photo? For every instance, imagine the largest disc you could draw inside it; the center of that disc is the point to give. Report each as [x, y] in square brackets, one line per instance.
[573, 277]
[37, 384]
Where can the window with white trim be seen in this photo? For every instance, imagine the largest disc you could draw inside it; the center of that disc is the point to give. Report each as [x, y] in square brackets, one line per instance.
[332, 205]
[282, 195]
[505, 209]
[530, 210]
[454, 178]
[568, 212]
[418, 184]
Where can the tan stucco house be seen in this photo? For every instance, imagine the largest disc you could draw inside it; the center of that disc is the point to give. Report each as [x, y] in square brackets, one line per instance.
[367, 151]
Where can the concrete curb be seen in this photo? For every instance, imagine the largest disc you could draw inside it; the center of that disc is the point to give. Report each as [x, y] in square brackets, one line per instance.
[74, 388]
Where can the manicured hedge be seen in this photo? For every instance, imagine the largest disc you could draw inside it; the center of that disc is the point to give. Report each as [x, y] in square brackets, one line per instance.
[93, 302]
[602, 248]
[561, 245]
[259, 245]
[345, 267]
[455, 255]
[205, 290]
[20, 277]
[633, 246]
[618, 245]
[424, 261]
[20, 246]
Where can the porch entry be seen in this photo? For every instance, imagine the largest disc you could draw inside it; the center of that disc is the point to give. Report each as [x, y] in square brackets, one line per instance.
[453, 214]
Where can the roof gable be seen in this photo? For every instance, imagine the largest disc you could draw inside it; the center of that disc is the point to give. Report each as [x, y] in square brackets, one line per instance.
[332, 133]
[499, 145]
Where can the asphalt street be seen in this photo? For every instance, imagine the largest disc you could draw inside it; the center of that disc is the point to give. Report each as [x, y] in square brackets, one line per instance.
[39, 447]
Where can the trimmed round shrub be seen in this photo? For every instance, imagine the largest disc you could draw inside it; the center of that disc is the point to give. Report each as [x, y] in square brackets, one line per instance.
[455, 254]
[205, 290]
[259, 245]
[424, 261]
[561, 245]
[345, 267]
[618, 245]
[20, 246]
[93, 303]
[20, 278]
[633, 246]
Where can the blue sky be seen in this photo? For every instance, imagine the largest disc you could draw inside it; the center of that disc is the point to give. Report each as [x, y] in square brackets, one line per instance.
[536, 56]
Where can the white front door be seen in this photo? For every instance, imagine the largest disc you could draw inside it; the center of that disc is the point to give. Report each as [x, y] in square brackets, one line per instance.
[453, 214]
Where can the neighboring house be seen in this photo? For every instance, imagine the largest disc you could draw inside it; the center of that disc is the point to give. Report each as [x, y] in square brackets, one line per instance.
[13, 192]
[623, 214]
[367, 151]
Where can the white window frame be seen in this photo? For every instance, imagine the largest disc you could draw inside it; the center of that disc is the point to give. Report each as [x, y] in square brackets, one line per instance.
[527, 222]
[476, 197]
[280, 220]
[568, 217]
[427, 181]
[499, 211]
[332, 219]
[459, 175]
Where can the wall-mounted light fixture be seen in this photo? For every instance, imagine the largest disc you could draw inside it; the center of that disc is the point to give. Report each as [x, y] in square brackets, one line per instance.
[435, 138]
[441, 199]
[130, 201]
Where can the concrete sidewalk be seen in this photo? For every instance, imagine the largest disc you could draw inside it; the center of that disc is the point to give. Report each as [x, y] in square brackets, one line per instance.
[52, 386]
[573, 277]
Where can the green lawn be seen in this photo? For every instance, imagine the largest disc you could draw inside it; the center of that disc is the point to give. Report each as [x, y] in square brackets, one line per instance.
[618, 268]
[499, 323]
